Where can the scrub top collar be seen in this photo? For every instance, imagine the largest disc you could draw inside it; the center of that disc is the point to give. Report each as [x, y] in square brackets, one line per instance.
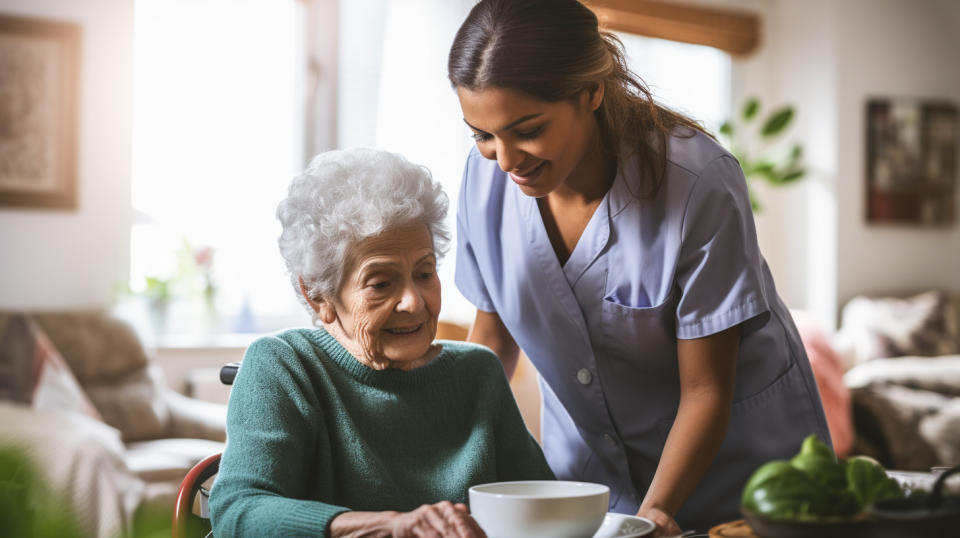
[595, 236]
[619, 196]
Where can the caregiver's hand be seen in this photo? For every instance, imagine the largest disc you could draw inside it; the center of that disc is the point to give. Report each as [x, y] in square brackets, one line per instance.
[666, 526]
[441, 520]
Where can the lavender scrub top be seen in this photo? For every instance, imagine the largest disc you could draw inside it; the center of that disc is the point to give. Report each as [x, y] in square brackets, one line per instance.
[602, 328]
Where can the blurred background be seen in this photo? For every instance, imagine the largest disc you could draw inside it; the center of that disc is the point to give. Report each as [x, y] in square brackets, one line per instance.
[174, 127]
[194, 115]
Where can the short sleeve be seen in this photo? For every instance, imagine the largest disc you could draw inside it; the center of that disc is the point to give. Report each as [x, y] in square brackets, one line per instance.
[467, 274]
[719, 270]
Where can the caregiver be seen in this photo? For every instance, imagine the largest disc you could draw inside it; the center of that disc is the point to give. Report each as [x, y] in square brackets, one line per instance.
[612, 240]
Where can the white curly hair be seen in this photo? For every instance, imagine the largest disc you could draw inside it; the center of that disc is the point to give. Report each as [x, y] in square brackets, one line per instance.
[345, 196]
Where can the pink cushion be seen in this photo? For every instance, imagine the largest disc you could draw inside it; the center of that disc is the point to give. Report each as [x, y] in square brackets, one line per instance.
[828, 371]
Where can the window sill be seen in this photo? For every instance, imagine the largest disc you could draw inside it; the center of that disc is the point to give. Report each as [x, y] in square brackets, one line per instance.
[204, 341]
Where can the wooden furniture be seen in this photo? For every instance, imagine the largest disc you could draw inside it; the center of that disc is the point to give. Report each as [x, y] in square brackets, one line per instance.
[732, 529]
[733, 31]
[195, 489]
[186, 523]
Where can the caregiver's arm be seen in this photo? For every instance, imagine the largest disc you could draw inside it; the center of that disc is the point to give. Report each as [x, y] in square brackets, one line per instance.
[707, 366]
[488, 330]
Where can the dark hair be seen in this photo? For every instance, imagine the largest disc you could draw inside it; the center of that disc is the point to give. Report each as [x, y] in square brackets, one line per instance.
[554, 50]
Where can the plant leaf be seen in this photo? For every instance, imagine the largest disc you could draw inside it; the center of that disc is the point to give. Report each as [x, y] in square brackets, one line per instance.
[796, 152]
[793, 175]
[777, 122]
[762, 169]
[751, 108]
[726, 129]
[755, 204]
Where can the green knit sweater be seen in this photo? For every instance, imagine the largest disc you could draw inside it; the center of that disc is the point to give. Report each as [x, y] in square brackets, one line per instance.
[312, 433]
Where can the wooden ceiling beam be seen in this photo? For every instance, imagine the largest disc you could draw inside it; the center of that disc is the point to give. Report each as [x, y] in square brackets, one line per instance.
[733, 31]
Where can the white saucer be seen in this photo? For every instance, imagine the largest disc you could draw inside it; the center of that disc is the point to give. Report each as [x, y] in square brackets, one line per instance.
[624, 526]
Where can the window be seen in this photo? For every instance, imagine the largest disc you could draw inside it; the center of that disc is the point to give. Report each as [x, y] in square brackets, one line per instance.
[693, 79]
[217, 138]
[219, 129]
[394, 95]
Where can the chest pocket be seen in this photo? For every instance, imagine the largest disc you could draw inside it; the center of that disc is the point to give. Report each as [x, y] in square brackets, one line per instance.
[647, 334]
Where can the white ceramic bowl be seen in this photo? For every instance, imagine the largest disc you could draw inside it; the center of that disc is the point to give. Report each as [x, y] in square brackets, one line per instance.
[539, 508]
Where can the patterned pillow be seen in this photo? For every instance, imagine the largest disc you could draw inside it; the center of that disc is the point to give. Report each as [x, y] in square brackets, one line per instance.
[32, 371]
[924, 325]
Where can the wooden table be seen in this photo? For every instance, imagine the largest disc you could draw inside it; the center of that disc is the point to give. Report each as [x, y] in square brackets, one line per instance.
[733, 529]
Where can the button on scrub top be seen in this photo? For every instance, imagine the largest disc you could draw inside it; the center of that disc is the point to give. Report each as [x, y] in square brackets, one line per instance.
[602, 328]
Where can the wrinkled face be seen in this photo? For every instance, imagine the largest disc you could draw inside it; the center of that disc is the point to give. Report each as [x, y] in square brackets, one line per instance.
[389, 299]
[540, 144]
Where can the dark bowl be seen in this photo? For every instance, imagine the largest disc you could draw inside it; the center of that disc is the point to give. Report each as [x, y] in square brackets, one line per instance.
[765, 527]
[912, 516]
[895, 518]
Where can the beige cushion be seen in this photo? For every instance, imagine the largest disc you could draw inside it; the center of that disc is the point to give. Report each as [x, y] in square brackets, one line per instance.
[168, 459]
[98, 348]
[135, 404]
[953, 298]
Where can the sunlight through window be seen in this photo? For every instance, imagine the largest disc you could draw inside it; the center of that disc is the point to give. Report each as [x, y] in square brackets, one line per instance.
[217, 137]
[693, 79]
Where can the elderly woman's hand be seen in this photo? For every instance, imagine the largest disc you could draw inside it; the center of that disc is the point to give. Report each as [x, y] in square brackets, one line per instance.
[441, 520]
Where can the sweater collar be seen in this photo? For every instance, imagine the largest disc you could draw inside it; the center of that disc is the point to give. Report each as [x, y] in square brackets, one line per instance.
[393, 378]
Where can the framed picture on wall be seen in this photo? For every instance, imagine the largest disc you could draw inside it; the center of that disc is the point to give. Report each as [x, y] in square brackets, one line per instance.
[39, 86]
[912, 161]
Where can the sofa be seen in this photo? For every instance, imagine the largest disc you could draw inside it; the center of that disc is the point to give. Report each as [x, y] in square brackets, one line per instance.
[898, 371]
[889, 378]
[79, 394]
[902, 360]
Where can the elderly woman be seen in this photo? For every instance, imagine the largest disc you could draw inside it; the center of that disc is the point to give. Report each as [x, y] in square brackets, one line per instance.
[365, 425]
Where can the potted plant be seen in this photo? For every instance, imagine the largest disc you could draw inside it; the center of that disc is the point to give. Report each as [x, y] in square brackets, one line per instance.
[759, 156]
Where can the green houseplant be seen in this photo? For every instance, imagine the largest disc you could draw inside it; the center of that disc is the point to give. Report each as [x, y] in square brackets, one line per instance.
[759, 155]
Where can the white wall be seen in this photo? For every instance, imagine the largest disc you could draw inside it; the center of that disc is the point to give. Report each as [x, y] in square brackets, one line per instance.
[795, 64]
[55, 259]
[359, 60]
[827, 58]
[896, 48]
[322, 41]
[807, 76]
[797, 228]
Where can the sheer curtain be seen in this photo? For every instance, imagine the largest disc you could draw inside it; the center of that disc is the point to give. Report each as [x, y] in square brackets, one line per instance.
[693, 79]
[395, 95]
[217, 137]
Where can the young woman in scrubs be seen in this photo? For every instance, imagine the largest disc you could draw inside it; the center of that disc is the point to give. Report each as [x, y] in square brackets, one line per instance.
[613, 241]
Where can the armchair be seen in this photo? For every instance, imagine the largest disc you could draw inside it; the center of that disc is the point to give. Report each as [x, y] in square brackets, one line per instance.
[162, 434]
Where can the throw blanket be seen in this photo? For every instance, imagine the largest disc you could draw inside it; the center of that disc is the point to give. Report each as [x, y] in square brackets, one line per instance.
[81, 460]
[907, 411]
